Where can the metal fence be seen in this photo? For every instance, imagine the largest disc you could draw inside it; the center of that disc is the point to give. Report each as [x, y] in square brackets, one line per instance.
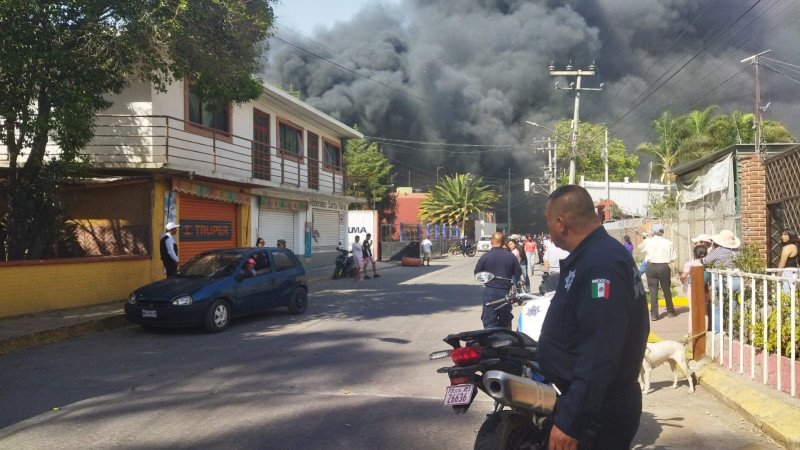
[708, 217]
[753, 326]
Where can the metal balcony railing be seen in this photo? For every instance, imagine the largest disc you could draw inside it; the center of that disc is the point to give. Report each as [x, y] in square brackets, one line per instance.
[159, 141]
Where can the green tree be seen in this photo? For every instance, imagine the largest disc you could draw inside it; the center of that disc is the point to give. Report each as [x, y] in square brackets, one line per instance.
[61, 59]
[590, 161]
[369, 176]
[667, 150]
[455, 198]
[693, 133]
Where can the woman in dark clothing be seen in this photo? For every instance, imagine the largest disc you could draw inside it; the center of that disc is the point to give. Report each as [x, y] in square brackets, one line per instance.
[789, 255]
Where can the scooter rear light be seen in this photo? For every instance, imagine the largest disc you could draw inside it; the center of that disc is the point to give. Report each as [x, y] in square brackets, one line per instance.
[465, 356]
[458, 380]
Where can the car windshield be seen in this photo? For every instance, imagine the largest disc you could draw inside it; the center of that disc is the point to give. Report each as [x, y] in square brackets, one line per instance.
[211, 265]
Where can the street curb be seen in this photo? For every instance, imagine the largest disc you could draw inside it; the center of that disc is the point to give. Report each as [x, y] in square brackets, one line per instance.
[777, 419]
[39, 338]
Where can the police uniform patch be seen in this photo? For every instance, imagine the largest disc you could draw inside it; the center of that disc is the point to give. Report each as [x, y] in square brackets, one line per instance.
[601, 288]
[570, 278]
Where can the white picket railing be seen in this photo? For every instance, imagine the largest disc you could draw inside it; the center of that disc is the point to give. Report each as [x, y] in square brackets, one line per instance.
[737, 302]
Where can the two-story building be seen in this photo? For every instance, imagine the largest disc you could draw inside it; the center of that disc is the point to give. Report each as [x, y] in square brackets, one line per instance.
[269, 168]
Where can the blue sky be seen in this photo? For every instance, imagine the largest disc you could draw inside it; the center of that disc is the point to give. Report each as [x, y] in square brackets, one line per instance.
[306, 16]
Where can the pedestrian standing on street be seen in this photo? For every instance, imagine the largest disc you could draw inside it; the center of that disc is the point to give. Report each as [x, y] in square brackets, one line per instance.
[357, 259]
[628, 244]
[464, 244]
[260, 242]
[169, 249]
[659, 253]
[540, 248]
[595, 331]
[281, 243]
[367, 250]
[516, 250]
[553, 256]
[504, 266]
[530, 253]
[426, 250]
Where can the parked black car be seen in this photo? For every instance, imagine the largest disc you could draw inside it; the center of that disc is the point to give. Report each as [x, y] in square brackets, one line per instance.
[215, 286]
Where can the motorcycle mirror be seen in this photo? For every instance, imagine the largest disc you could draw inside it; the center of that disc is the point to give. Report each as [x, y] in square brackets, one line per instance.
[484, 277]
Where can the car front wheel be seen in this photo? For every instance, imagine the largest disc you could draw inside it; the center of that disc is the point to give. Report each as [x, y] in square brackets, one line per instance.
[217, 317]
[298, 302]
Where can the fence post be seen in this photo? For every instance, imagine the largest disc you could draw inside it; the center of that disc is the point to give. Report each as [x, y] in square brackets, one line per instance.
[698, 293]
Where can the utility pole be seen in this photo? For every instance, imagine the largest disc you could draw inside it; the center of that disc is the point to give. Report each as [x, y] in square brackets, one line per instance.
[509, 201]
[409, 179]
[576, 86]
[757, 111]
[554, 175]
[608, 183]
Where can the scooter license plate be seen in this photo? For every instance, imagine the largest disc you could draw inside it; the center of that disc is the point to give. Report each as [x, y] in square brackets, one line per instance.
[460, 394]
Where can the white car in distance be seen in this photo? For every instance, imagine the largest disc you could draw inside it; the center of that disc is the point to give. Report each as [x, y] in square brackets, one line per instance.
[484, 244]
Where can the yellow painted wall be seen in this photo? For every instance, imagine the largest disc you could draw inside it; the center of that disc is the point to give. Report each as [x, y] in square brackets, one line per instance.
[29, 288]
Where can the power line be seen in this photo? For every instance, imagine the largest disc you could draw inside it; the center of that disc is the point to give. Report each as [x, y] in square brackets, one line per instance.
[687, 62]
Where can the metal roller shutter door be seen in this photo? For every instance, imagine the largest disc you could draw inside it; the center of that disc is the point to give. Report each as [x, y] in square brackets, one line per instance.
[326, 223]
[274, 225]
[193, 208]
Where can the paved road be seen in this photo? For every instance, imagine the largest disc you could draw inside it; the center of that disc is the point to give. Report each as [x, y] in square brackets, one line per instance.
[350, 373]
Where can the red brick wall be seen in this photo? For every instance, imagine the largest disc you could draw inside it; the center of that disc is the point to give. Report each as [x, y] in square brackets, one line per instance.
[752, 180]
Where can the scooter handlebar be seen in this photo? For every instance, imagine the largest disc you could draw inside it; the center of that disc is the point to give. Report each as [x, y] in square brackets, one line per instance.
[498, 302]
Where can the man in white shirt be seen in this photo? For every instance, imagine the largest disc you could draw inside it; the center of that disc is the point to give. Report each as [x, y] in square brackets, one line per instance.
[426, 245]
[552, 264]
[659, 253]
[358, 260]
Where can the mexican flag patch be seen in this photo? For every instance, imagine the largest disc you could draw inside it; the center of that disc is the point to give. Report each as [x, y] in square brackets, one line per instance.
[601, 288]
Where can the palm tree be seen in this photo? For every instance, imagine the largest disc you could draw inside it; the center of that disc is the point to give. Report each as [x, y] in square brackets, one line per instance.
[693, 133]
[455, 198]
[667, 149]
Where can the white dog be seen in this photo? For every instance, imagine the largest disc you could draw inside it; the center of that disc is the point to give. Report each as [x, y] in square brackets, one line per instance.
[658, 353]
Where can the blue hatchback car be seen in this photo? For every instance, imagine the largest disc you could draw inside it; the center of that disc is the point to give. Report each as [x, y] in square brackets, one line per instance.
[217, 285]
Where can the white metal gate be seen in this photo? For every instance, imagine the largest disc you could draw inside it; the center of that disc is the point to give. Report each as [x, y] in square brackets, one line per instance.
[327, 230]
[274, 224]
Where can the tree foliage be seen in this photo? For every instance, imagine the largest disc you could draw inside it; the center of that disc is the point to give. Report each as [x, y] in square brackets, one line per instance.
[698, 133]
[590, 160]
[61, 59]
[369, 176]
[455, 198]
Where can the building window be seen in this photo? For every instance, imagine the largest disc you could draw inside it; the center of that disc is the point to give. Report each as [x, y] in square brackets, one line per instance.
[202, 113]
[332, 156]
[291, 139]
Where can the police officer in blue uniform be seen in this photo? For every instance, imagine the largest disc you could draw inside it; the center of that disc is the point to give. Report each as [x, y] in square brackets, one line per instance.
[502, 264]
[594, 335]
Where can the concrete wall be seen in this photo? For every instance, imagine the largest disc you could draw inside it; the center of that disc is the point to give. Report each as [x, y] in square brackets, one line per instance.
[34, 286]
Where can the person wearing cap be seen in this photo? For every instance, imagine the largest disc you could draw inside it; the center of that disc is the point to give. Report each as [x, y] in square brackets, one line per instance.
[249, 267]
[659, 253]
[169, 249]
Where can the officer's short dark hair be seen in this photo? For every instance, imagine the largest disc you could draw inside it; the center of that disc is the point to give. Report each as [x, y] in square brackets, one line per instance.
[575, 201]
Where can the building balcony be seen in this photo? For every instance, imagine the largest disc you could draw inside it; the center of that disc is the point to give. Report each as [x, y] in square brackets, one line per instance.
[169, 144]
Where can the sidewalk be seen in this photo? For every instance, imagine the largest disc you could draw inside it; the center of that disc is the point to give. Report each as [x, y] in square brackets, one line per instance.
[33, 330]
[777, 414]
